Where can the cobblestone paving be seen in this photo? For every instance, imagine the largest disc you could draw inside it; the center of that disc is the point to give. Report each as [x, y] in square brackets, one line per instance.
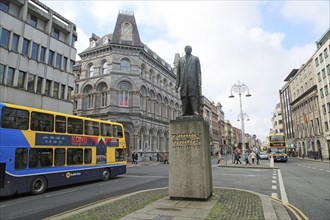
[234, 204]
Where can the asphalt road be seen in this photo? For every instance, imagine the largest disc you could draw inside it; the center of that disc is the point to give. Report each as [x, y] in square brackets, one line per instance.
[306, 184]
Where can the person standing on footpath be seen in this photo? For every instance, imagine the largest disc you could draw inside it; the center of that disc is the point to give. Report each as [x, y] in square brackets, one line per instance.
[133, 158]
[253, 156]
[237, 158]
[188, 79]
[136, 157]
[247, 158]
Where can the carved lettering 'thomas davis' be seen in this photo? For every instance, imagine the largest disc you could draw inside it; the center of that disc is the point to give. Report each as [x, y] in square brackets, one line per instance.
[186, 141]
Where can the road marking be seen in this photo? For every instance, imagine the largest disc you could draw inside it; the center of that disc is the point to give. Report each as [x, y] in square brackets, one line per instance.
[57, 194]
[274, 187]
[274, 181]
[274, 195]
[282, 189]
[274, 177]
[321, 169]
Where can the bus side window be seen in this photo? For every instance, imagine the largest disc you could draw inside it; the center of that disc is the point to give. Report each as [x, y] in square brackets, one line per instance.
[59, 157]
[42, 122]
[74, 156]
[15, 118]
[60, 124]
[21, 158]
[75, 126]
[41, 157]
[87, 156]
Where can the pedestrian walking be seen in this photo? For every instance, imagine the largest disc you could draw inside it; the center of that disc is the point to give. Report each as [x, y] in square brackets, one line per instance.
[253, 156]
[136, 158]
[166, 159]
[219, 157]
[237, 158]
[258, 158]
[247, 158]
[133, 158]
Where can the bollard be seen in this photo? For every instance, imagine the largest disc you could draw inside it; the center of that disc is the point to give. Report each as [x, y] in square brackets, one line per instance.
[271, 163]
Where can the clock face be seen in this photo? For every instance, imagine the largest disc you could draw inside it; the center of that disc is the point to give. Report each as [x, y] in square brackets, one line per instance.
[126, 32]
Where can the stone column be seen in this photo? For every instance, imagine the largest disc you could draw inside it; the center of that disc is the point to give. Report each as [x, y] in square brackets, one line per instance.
[190, 173]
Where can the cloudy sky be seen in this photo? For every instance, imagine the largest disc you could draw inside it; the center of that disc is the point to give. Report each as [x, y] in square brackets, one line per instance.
[255, 42]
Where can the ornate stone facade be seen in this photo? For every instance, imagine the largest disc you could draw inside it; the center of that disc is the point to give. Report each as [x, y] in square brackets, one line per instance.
[119, 78]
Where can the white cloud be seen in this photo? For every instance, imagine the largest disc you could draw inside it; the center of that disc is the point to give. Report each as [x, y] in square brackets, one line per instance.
[227, 36]
[317, 13]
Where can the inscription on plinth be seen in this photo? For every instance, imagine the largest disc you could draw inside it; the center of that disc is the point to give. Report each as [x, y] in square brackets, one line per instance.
[190, 174]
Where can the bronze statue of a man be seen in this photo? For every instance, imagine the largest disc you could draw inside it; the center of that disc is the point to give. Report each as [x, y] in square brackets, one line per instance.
[188, 79]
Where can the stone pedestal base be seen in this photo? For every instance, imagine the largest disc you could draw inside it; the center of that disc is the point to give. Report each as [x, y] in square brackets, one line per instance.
[190, 174]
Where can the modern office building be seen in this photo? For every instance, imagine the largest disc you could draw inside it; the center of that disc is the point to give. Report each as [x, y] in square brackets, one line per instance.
[119, 78]
[37, 55]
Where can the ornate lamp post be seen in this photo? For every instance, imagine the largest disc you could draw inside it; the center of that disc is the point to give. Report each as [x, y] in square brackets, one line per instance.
[241, 88]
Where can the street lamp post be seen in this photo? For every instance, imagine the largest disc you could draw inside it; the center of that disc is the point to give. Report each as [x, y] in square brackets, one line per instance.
[241, 88]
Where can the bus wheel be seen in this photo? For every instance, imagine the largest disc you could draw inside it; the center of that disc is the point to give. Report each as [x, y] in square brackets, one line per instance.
[38, 185]
[106, 175]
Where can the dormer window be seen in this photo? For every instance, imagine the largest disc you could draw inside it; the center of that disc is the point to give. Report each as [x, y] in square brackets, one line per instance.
[93, 43]
[105, 40]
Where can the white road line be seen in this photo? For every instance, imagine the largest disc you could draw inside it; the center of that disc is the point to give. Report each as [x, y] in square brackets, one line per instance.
[282, 189]
[274, 181]
[321, 169]
[274, 195]
[57, 194]
[274, 187]
[274, 177]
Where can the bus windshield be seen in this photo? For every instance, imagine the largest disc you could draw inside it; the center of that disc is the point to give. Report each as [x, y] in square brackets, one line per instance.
[277, 150]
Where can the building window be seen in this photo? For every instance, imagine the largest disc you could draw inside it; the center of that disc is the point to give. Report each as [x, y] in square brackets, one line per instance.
[325, 52]
[105, 68]
[55, 90]
[69, 93]
[50, 58]
[326, 91]
[65, 63]
[321, 92]
[21, 79]
[125, 66]
[321, 57]
[326, 125]
[317, 61]
[104, 97]
[34, 53]
[324, 109]
[62, 91]
[39, 84]
[58, 61]
[72, 63]
[123, 98]
[30, 86]
[25, 47]
[2, 73]
[90, 101]
[4, 6]
[47, 87]
[10, 76]
[4, 40]
[56, 34]
[74, 39]
[319, 76]
[91, 71]
[14, 43]
[42, 54]
[33, 21]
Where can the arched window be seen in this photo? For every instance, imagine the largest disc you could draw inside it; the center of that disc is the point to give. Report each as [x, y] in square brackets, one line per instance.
[102, 94]
[104, 68]
[125, 66]
[152, 102]
[124, 89]
[88, 101]
[90, 70]
[143, 98]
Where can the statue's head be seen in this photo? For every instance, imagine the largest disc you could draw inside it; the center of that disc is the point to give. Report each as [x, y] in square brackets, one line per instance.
[187, 49]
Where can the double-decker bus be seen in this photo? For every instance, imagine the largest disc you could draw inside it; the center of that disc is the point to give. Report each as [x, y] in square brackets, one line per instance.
[277, 147]
[42, 149]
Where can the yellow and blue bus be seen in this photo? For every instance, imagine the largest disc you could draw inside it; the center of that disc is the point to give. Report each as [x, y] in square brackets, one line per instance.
[42, 149]
[277, 147]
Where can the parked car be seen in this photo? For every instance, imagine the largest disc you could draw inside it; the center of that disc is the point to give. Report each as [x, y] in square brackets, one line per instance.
[263, 156]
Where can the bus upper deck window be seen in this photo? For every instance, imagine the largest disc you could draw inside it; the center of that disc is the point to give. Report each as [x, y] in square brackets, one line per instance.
[42, 122]
[14, 118]
[60, 124]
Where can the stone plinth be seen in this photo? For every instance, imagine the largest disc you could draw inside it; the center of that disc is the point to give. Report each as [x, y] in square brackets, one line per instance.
[190, 174]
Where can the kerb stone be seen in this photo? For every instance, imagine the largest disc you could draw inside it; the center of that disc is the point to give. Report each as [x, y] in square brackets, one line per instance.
[190, 173]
